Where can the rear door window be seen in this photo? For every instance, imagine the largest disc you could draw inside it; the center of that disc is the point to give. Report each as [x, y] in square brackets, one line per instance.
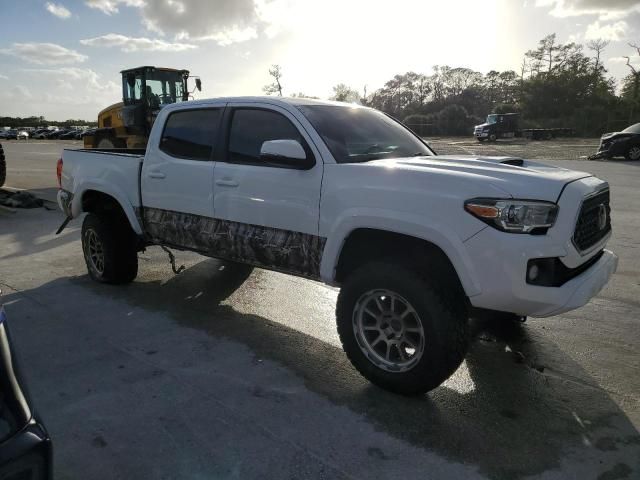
[191, 134]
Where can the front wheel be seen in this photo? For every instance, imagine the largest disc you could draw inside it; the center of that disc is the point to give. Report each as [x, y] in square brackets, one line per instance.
[400, 332]
[109, 248]
[633, 153]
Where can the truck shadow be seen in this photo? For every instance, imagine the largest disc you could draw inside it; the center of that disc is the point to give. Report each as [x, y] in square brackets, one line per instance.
[505, 411]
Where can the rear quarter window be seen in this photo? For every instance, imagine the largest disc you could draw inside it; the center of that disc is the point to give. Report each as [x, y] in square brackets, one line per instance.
[191, 134]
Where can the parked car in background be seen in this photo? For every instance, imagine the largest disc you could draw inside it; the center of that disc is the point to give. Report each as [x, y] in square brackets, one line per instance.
[25, 445]
[40, 134]
[22, 135]
[89, 131]
[11, 134]
[55, 134]
[68, 135]
[620, 144]
[3, 167]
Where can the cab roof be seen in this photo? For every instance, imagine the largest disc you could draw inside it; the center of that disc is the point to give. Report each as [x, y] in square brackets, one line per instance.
[150, 67]
[296, 101]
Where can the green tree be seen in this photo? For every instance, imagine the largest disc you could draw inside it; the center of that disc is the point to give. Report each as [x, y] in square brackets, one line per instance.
[344, 93]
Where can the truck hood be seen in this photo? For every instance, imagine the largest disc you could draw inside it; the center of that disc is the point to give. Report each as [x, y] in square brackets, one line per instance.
[482, 125]
[516, 177]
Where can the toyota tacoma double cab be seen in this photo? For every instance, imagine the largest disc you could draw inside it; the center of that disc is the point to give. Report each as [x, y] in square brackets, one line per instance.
[417, 242]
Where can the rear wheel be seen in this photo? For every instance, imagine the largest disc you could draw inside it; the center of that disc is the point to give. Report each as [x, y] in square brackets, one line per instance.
[633, 153]
[400, 332]
[109, 247]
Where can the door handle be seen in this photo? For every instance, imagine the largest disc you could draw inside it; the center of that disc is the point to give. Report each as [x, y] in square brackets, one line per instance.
[156, 175]
[227, 183]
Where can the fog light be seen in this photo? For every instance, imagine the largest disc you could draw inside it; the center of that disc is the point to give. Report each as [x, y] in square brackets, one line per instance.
[533, 272]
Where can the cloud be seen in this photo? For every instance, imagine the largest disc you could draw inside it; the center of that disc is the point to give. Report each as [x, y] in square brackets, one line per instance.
[4, 77]
[233, 35]
[614, 31]
[635, 61]
[109, 7]
[605, 9]
[58, 10]
[45, 53]
[65, 77]
[224, 21]
[136, 44]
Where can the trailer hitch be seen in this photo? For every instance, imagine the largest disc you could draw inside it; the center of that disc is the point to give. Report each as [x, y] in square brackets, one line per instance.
[172, 260]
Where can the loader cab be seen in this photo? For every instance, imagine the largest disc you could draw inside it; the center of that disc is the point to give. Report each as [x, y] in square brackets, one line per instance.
[145, 90]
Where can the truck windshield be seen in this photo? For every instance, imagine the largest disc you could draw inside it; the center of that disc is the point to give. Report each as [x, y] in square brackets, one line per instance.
[361, 134]
[492, 119]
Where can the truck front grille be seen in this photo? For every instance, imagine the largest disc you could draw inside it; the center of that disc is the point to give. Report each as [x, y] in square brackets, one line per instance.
[594, 220]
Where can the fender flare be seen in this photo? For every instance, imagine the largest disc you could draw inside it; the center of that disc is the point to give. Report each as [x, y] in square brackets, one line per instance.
[402, 223]
[111, 190]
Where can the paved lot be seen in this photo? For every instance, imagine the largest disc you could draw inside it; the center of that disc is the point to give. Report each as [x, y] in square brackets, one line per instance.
[211, 375]
[557, 149]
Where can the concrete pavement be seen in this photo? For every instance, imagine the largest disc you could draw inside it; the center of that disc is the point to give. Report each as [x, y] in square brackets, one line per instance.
[213, 375]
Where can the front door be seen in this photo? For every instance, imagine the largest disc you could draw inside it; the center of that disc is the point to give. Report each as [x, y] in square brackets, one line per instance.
[177, 178]
[268, 215]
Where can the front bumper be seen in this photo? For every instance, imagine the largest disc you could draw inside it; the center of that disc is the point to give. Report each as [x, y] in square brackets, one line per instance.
[499, 262]
[28, 454]
[609, 149]
[503, 277]
[25, 449]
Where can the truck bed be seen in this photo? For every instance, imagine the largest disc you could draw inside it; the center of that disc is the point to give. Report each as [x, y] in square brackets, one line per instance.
[115, 172]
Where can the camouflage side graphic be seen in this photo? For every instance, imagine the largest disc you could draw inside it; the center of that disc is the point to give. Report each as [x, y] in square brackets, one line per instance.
[273, 248]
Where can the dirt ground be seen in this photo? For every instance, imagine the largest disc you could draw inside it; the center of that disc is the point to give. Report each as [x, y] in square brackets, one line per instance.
[556, 149]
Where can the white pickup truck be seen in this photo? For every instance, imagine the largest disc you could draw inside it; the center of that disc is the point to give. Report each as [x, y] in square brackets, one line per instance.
[417, 242]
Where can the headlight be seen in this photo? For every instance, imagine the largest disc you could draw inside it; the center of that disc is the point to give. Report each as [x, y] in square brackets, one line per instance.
[515, 216]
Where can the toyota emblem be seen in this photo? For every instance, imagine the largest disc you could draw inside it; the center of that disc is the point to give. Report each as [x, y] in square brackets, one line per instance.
[602, 217]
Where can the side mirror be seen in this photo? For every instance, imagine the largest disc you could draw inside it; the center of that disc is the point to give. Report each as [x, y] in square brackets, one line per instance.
[199, 84]
[285, 153]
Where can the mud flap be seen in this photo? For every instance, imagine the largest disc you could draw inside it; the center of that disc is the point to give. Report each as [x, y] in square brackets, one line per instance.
[64, 224]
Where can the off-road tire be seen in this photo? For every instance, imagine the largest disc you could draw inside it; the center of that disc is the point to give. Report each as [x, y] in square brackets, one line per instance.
[443, 316]
[3, 167]
[118, 241]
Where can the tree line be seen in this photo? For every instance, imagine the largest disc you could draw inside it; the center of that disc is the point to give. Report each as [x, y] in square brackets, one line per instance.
[557, 85]
[19, 122]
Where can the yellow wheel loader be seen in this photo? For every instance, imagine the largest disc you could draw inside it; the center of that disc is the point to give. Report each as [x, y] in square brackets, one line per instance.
[145, 90]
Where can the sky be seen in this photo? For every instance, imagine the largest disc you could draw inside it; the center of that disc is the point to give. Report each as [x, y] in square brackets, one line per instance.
[61, 59]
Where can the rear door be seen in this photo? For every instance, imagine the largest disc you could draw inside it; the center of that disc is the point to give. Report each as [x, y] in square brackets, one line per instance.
[267, 215]
[177, 176]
